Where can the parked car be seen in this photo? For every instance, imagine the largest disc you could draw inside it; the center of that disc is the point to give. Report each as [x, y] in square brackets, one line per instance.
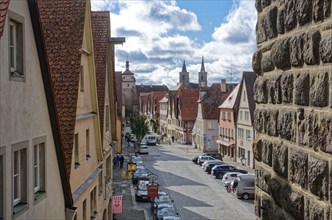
[151, 139]
[141, 193]
[229, 177]
[164, 210]
[135, 159]
[209, 162]
[160, 200]
[209, 166]
[143, 149]
[215, 155]
[171, 218]
[246, 186]
[140, 174]
[202, 159]
[219, 170]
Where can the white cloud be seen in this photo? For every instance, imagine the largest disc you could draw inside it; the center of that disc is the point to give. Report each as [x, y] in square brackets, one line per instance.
[157, 41]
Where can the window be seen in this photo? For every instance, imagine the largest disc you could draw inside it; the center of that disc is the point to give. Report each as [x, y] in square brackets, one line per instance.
[93, 203]
[16, 45]
[108, 169]
[1, 187]
[76, 151]
[128, 85]
[210, 125]
[87, 144]
[228, 116]
[19, 175]
[244, 95]
[241, 116]
[223, 116]
[248, 134]
[84, 209]
[232, 135]
[82, 79]
[39, 169]
[241, 133]
[246, 115]
[100, 181]
[107, 124]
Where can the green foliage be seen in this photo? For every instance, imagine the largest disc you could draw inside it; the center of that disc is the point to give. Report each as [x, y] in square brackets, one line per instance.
[139, 126]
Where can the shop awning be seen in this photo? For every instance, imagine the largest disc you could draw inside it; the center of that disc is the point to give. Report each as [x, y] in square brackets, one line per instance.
[224, 143]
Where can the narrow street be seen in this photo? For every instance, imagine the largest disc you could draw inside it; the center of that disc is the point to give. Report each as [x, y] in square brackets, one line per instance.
[196, 194]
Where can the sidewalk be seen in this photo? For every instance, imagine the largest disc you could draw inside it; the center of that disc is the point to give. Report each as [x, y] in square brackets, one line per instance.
[123, 186]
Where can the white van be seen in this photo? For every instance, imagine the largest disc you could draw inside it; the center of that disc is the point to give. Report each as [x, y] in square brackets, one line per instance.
[246, 186]
[151, 139]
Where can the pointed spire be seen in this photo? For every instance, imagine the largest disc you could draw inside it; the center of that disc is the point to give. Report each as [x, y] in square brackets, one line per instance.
[202, 66]
[127, 64]
[184, 68]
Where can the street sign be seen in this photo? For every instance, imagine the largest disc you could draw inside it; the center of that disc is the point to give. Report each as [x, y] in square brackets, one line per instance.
[152, 190]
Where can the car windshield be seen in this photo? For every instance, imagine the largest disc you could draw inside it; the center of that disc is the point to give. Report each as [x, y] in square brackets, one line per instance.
[143, 185]
[163, 199]
[169, 211]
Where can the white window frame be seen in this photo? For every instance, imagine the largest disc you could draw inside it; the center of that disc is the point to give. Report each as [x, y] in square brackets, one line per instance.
[19, 177]
[16, 51]
[39, 164]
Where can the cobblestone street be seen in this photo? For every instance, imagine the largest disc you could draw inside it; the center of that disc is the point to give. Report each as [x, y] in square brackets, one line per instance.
[196, 194]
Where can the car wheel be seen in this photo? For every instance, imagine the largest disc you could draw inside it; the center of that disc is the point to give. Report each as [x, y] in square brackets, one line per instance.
[220, 176]
[245, 196]
[136, 198]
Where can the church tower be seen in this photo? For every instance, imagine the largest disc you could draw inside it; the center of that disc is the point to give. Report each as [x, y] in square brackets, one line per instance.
[184, 74]
[202, 76]
[128, 88]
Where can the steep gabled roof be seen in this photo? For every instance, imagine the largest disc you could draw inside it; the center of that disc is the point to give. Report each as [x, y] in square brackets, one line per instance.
[188, 102]
[230, 101]
[101, 33]
[249, 80]
[62, 25]
[3, 13]
[213, 98]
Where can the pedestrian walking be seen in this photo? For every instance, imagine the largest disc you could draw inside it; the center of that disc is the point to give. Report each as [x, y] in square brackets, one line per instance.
[117, 159]
[121, 161]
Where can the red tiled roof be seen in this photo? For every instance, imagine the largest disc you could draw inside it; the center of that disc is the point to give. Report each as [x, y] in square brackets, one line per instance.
[101, 33]
[62, 24]
[3, 13]
[213, 98]
[188, 102]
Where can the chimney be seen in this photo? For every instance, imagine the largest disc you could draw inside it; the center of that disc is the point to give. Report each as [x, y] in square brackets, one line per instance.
[223, 85]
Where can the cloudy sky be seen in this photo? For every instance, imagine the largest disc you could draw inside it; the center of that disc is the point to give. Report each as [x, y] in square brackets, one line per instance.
[160, 34]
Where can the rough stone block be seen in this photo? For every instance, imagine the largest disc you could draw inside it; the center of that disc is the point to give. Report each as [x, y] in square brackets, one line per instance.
[281, 55]
[325, 49]
[298, 168]
[268, 208]
[271, 123]
[266, 3]
[319, 90]
[311, 48]
[286, 125]
[274, 90]
[263, 178]
[315, 210]
[267, 63]
[258, 5]
[287, 88]
[293, 202]
[325, 134]
[259, 120]
[257, 149]
[257, 204]
[327, 8]
[267, 148]
[290, 16]
[281, 21]
[257, 62]
[260, 94]
[308, 129]
[302, 82]
[260, 29]
[318, 10]
[280, 159]
[296, 48]
[271, 22]
[318, 175]
[304, 11]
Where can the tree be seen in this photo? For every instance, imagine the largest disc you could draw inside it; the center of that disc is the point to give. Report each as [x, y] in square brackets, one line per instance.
[139, 126]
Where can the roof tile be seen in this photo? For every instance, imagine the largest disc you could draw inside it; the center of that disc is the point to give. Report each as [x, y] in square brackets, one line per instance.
[4, 4]
[62, 24]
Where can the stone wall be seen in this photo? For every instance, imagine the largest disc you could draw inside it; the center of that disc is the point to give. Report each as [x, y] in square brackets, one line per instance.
[293, 117]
